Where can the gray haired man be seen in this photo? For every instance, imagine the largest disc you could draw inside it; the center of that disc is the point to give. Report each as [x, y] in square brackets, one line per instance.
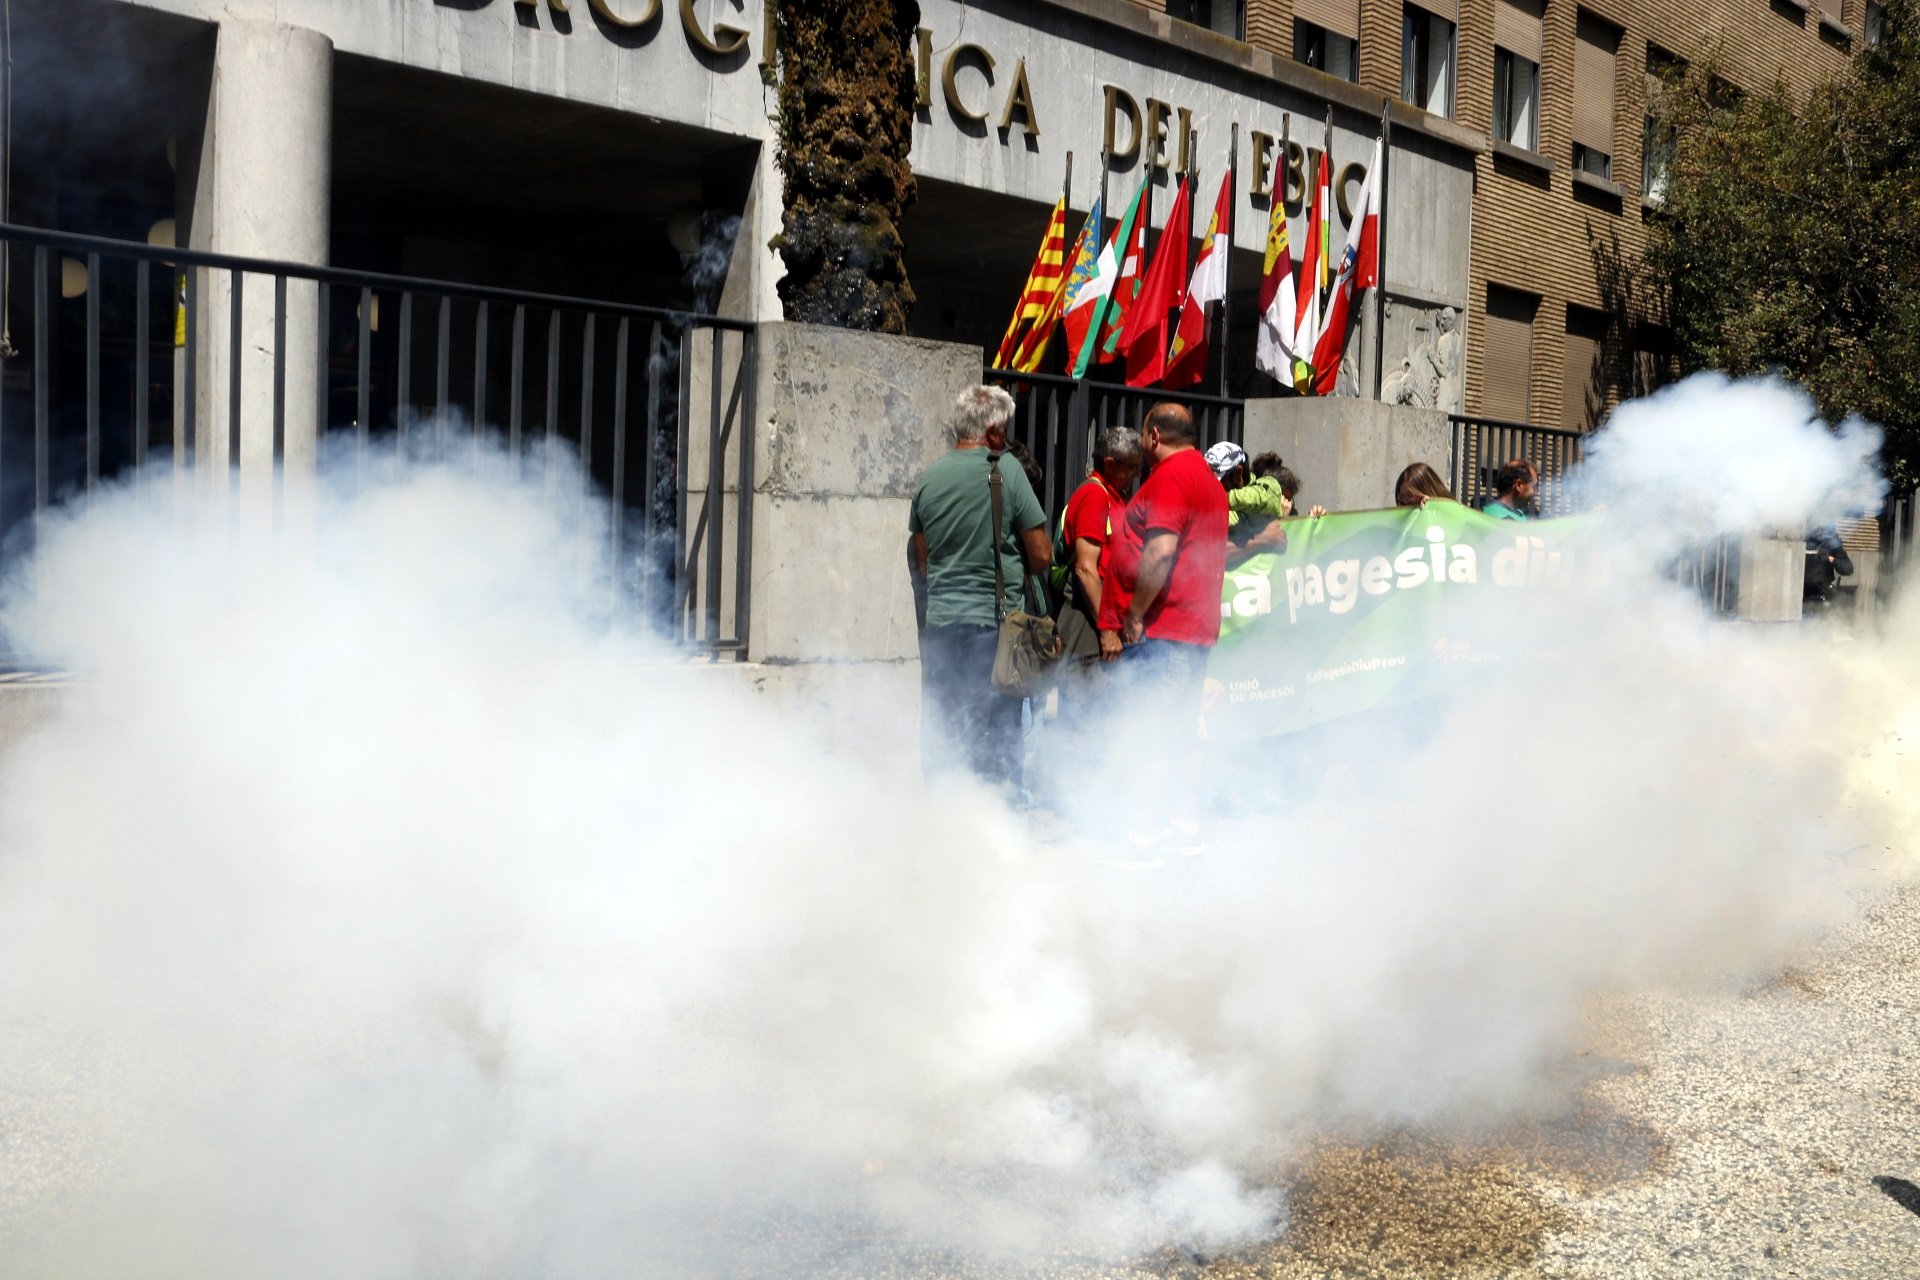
[953, 544]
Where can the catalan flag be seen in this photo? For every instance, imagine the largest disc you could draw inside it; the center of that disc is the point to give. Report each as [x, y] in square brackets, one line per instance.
[1033, 346]
[1039, 299]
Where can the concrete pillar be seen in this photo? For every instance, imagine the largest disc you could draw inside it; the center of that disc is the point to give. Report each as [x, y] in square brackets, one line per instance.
[1347, 452]
[753, 275]
[257, 180]
[1772, 578]
[847, 421]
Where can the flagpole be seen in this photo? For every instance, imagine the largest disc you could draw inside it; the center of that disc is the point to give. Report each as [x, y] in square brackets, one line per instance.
[1106, 168]
[1325, 248]
[1233, 212]
[1192, 141]
[1380, 257]
[1066, 206]
[1280, 194]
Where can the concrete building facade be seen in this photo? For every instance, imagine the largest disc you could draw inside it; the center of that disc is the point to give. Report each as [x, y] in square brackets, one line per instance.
[593, 147]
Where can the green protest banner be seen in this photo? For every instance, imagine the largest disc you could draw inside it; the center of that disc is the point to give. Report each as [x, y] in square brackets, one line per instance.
[1371, 609]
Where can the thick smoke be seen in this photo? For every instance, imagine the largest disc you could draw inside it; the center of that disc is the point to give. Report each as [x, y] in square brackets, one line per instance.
[391, 907]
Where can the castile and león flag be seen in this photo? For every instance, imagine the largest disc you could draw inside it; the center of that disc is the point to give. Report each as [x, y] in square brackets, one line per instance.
[1154, 313]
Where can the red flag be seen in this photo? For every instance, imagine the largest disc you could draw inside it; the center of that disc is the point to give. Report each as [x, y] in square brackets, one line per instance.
[1188, 362]
[1145, 336]
[1359, 268]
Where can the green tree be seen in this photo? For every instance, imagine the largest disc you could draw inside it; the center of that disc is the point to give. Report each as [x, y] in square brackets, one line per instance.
[1789, 238]
[846, 124]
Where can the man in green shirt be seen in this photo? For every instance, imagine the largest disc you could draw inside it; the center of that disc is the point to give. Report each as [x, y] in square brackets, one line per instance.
[1512, 490]
[953, 544]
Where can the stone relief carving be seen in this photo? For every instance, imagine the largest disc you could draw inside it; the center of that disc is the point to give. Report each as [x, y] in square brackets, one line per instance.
[1433, 372]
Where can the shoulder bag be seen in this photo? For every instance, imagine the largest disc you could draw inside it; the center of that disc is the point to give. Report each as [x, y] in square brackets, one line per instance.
[1027, 649]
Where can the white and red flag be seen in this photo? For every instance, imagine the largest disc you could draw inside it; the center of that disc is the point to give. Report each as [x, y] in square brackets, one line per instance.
[1359, 269]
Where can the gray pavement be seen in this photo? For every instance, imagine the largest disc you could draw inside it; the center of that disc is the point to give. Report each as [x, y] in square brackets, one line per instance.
[1738, 1135]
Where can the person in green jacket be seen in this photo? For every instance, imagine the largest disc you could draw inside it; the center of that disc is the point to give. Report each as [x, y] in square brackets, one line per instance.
[1255, 497]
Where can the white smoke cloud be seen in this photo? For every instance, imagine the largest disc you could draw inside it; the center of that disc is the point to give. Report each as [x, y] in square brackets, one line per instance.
[392, 907]
[1712, 456]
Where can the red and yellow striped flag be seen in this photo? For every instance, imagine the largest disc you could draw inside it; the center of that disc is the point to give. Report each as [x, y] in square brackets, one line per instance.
[1039, 300]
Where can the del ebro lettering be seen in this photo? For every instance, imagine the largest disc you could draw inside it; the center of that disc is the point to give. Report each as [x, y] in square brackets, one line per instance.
[975, 87]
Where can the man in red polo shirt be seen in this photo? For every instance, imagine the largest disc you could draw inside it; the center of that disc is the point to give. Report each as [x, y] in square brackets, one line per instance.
[1160, 600]
[1093, 513]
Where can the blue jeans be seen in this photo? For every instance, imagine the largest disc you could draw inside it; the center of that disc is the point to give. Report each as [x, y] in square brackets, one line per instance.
[964, 722]
[1166, 668]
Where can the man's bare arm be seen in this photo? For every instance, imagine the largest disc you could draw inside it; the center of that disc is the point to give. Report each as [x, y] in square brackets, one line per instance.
[1038, 548]
[1086, 571]
[1157, 555]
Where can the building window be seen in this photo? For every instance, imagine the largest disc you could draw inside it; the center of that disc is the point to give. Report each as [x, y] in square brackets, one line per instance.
[1326, 50]
[1656, 159]
[1595, 49]
[1874, 25]
[1509, 348]
[1584, 391]
[1516, 72]
[1653, 365]
[1426, 60]
[1664, 70]
[1227, 17]
[1516, 99]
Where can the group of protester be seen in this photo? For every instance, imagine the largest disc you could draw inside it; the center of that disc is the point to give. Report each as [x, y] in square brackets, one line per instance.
[1138, 574]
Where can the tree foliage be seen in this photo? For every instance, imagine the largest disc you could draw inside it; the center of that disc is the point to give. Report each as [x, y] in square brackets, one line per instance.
[1789, 238]
[846, 124]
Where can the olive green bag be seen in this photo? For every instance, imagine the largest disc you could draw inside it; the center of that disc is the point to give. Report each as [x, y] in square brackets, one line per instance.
[1027, 649]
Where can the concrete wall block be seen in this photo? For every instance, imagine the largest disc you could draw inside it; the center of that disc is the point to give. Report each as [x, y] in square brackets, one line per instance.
[1348, 451]
[830, 580]
[1772, 578]
[850, 414]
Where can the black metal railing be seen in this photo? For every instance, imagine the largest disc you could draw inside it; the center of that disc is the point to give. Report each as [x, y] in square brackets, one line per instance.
[1057, 417]
[1482, 445]
[131, 352]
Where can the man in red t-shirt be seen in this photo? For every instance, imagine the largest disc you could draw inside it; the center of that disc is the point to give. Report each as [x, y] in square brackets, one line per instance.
[1093, 513]
[1160, 598]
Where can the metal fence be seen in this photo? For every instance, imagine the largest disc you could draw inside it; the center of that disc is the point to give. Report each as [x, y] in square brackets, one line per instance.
[1057, 417]
[130, 353]
[1481, 445]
